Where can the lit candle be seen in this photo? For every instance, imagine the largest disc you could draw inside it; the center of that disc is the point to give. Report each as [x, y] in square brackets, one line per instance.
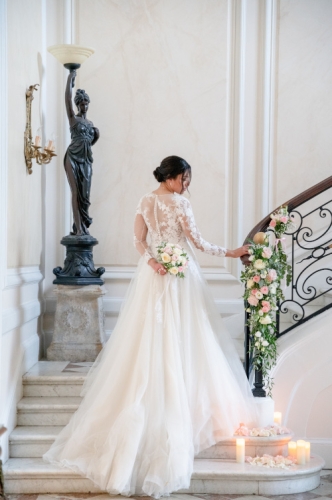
[277, 417]
[307, 451]
[240, 449]
[38, 141]
[300, 452]
[292, 449]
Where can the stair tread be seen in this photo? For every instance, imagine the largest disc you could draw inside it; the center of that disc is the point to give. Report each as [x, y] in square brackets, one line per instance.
[55, 402]
[35, 432]
[203, 468]
[39, 432]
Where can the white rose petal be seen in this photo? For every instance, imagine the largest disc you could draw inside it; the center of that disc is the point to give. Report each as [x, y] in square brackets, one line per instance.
[258, 334]
[266, 320]
[259, 295]
[173, 270]
[259, 264]
[165, 257]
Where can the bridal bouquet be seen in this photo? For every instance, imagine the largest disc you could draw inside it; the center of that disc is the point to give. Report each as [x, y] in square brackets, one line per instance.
[174, 258]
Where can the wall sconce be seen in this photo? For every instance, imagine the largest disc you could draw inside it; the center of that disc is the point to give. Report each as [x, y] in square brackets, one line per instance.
[33, 150]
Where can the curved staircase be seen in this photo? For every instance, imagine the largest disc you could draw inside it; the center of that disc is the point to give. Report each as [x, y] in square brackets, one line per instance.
[50, 397]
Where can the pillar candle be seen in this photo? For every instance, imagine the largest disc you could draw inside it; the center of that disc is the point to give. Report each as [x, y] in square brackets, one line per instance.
[50, 145]
[292, 449]
[307, 452]
[300, 452]
[38, 141]
[277, 417]
[240, 450]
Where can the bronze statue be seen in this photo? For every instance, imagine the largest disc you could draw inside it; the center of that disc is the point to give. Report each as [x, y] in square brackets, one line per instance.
[78, 158]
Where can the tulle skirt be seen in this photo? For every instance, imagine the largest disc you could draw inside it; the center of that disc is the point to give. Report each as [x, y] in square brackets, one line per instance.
[168, 384]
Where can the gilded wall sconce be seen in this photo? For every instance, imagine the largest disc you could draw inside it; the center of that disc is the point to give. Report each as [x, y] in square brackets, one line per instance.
[34, 150]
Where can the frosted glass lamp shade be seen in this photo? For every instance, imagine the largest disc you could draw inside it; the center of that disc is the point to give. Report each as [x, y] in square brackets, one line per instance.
[71, 56]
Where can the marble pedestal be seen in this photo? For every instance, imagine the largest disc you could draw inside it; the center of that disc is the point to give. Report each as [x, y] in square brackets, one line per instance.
[79, 333]
[265, 411]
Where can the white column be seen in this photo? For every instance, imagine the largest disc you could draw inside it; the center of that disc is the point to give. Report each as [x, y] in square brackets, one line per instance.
[3, 172]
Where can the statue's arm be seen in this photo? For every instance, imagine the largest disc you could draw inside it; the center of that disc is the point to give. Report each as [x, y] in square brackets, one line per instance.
[96, 137]
[68, 95]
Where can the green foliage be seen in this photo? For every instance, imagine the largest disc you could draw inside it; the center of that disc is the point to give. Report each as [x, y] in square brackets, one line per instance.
[263, 290]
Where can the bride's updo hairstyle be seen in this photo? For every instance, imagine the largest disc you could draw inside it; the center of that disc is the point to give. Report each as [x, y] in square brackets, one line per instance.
[170, 168]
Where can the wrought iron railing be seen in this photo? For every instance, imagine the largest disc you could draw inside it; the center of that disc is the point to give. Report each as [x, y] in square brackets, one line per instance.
[309, 249]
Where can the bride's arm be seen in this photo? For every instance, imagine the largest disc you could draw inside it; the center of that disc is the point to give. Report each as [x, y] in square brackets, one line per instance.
[140, 243]
[192, 232]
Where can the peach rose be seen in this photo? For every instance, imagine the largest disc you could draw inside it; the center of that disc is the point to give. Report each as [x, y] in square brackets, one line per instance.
[256, 279]
[265, 290]
[273, 223]
[252, 300]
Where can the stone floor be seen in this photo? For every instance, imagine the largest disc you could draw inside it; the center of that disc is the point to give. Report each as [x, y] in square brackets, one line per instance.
[323, 492]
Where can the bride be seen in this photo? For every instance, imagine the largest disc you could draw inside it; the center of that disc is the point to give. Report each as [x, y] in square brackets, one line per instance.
[169, 382]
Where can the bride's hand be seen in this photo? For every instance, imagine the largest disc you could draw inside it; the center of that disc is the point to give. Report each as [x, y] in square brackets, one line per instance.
[157, 267]
[238, 252]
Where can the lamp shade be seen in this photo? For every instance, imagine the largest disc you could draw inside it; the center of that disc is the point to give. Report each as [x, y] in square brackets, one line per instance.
[71, 54]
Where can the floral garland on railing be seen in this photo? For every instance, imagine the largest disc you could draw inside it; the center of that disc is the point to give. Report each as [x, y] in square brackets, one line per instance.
[262, 279]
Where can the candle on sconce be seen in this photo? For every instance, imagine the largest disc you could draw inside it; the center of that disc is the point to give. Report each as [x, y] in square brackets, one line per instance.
[240, 450]
[292, 449]
[307, 452]
[38, 141]
[277, 417]
[300, 452]
[50, 145]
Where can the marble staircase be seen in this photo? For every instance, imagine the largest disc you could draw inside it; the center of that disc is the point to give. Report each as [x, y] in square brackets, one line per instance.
[51, 395]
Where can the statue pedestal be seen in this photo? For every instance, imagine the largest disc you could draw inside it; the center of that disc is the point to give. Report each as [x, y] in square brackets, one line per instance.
[79, 333]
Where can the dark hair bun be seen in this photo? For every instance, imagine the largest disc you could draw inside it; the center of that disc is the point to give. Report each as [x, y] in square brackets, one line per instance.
[170, 168]
[158, 175]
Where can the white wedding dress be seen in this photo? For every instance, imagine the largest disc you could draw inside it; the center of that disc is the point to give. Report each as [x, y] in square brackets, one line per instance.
[168, 383]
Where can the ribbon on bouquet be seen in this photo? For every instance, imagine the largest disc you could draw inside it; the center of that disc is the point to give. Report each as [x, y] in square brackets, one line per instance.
[283, 243]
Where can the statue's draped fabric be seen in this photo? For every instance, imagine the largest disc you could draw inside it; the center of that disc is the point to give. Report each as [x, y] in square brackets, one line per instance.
[169, 382]
[79, 154]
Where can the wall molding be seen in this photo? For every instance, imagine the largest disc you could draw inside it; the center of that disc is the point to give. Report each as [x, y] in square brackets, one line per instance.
[16, 317]
[18, 276]
[3, 174]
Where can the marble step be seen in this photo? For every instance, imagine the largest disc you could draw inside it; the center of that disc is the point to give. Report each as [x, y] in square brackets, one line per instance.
[34, 441]
[34, 476]
[46, 410]
[52, 386]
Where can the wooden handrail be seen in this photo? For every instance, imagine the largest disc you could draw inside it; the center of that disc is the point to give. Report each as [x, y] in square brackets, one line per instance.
[291, 204]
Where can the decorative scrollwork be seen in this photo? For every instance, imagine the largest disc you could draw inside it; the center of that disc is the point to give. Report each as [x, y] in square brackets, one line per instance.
[314, 241]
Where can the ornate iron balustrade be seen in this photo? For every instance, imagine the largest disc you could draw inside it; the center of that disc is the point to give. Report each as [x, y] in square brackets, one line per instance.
[310, 250]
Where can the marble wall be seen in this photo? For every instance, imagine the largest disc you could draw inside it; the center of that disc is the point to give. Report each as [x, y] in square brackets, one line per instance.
[24, 191]
[303, 154]
[157, 84]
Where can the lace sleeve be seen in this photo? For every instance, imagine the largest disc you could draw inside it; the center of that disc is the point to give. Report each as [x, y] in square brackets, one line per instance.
[140, 234]
[192, 232]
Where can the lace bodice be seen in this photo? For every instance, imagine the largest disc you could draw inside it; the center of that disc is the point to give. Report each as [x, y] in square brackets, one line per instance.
[170, 218]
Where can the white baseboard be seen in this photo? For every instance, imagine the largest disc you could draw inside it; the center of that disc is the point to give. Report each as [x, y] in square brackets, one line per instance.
[22, 275]
[16, 317]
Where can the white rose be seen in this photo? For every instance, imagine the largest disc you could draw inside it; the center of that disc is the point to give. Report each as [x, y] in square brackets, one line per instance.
[165, 257]
[260, 313]
[266, 320]
[251, 258]
[258, 334]
[173, 270]
[259, 264]
[250, 283]
[259, 295]
[177, 251]
[265, 343]
[257, 344]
